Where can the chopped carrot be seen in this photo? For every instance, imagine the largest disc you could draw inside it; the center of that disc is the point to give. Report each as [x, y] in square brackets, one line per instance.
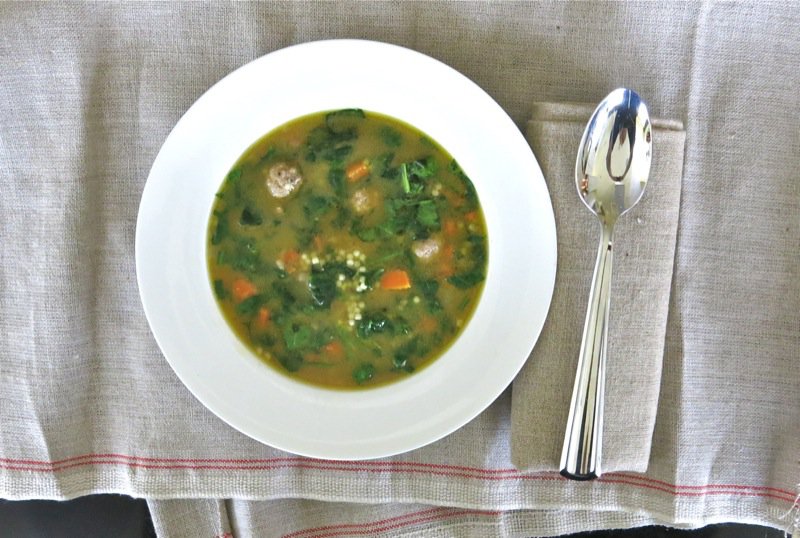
[357, 170]
[334, 350]
[472, 216]
[395, 279]
[290, 259]
[447, 261]
[428, 325]
[242, 289]
[450, 227]
[263, 317]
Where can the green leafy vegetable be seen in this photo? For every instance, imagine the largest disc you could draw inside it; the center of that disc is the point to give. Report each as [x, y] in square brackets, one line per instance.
[467, 279]
[363, 373]
[344, 121]
[233, 176]
[336, 177]
[291, 361]
[221, 229]
[372, 277]
[423, 168]
[250, 217]
[322, 285]
[250, 305]
[284, 294]
[429, 289]
[383, 165]
[404, 354]
[405, 181]
[373, 323]
[427, 214]
[270, 153]
[317, 206]
[298, 337]
[391, 137]
[471, 195]
[245, 257]
[476, 274]
[416, 216]
[219, 289]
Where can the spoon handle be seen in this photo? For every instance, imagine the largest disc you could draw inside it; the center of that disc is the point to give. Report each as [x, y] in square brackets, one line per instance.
[580, 457]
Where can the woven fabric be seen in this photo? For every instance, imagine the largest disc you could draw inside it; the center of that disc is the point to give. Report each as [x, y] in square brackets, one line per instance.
[89, 405]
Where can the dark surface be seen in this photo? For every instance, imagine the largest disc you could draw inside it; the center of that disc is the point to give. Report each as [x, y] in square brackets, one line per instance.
[118, 516]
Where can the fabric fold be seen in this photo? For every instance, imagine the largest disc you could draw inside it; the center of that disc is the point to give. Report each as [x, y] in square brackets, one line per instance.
[645, 241]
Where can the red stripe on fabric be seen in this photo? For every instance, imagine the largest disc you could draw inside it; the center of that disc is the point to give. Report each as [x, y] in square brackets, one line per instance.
[256, 461]
[667, 484]
[454, 471]
[368, 529]
[436, 510]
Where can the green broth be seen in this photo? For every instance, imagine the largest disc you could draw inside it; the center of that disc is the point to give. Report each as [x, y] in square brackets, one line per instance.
[347, 249]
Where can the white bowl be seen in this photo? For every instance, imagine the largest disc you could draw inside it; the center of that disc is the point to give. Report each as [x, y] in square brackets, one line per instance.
[176, 291]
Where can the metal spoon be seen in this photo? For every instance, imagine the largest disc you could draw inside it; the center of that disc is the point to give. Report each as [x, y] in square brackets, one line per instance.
[610, 173]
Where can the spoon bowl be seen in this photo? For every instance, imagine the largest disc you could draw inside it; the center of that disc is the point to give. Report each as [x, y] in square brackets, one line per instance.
[611, 173]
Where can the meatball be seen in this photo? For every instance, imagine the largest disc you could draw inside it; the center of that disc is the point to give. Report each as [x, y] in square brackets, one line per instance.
[426, 248]
[283, 179]
[364, 200]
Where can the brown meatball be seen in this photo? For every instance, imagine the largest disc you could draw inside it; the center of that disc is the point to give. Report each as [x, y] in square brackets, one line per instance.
[426, 248]
[364, 200]
[283, 179]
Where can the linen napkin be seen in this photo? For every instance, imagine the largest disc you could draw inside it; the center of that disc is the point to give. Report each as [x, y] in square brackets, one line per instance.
[644, 240]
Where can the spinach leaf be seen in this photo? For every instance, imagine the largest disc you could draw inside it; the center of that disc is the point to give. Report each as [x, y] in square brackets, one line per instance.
[404, 354]
[264, 340]
[245, 257]
[340, 268]
[284, 294]
[373, 323]
[372, 277]
[327, 145]
[427, 214]
[391, 137]
[429, 288]
[221, 229]
[270, 153]
[383, 166]
[416, 216]
[250, 305]
[476, 274]
[233, 176]
[405, 180]
[343, 121]
[219, 289]
[470, 195]
[336, 178]
[363, 373]
[423, 168]
[365, 234]
[316, 206]
[322, 284]
[291, 361]
[298, 337]
[467, 279]
[323, 289]
[250, 217]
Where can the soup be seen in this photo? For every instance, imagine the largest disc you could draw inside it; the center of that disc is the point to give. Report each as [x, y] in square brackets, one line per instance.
[347, 249]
